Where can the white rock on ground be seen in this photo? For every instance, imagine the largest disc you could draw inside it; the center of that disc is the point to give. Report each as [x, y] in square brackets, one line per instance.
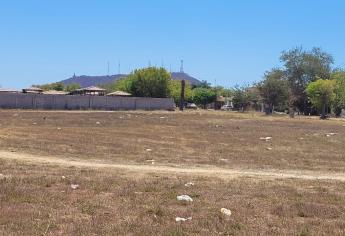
[180, 219]
[149, 150]
[225, 211]
[189, 184]
[184, 198]
[266, 138]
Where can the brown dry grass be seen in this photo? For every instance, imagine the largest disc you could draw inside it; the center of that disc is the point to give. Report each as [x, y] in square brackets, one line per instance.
[221, 139]
[35, 200]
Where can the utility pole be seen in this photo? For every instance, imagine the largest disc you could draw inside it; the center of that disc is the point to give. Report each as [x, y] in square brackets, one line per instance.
[183, 85]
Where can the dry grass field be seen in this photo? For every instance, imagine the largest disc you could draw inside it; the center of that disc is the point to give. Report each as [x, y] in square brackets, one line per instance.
[131, 166]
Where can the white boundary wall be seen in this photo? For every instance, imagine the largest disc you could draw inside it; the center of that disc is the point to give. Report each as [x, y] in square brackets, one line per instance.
[69, 102]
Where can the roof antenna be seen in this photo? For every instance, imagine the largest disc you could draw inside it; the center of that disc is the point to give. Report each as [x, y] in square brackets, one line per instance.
[181, 68]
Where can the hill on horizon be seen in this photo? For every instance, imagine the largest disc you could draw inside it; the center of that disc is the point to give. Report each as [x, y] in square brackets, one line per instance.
[87, 81]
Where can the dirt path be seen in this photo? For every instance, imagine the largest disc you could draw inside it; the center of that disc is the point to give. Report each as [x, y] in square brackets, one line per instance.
[198, 171]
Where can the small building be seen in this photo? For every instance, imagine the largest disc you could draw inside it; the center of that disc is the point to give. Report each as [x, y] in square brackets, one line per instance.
[55, 92]
[119, 94]
[93, 91]
[220, 102]
[4, 90]
[33, 90]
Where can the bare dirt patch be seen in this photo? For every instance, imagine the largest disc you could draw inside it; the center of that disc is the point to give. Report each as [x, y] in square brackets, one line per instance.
[204, 171]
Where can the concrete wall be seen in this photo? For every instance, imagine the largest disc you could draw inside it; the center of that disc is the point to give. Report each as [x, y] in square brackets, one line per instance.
[61, 102]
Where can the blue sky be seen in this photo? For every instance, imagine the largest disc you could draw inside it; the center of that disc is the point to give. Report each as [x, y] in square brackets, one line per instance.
[232, 42]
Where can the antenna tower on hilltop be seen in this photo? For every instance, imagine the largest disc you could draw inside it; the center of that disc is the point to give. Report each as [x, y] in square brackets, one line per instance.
[181, 68]
[119, 68]
[108, 68]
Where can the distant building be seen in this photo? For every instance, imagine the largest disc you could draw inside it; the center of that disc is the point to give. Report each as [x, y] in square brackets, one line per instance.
[220, 102]
[93, 91]
[4, 90]
[33, 90]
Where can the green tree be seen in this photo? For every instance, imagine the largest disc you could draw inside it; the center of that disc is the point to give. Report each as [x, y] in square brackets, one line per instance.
[122, 84]
[203, 96]
[175, 91]
[303, 67]
[53, 86]
[339, 100]
[321, 94]
[72, 87]
[274, 90]
[241, 98]
[149, 82]
[221, 91]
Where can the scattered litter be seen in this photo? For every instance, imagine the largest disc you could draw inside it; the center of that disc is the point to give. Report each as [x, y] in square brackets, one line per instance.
[63, 177]
[184, 198]
[98, 123]
[153, 163]
[225, 211]
[225, 160]
[266, 138]
[330, 134]
[269, 148]
[59, 128]
[34, 123]
[150, 160]
[149, 150]
[162, 117]
[300, 138]
[180, 219]
[189, 184]
[74, 186]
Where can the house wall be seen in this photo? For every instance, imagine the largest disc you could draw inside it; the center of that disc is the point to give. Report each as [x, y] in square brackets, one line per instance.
[62, 102]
